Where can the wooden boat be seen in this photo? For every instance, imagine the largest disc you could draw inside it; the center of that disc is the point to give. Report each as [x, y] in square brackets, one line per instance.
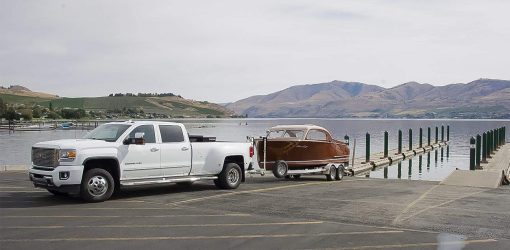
[290, 148]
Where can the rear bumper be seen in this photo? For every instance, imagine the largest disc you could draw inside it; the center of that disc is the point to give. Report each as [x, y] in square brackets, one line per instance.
[63, 178]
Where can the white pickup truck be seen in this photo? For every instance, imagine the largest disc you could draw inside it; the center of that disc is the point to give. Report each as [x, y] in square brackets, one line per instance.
[121, 154]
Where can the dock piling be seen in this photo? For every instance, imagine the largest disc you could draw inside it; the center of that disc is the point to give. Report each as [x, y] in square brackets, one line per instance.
[421, 139]
[385, 144]
[447, 132]
[428, 136]
[489, 144]
[442, 133]
[478, 150]
[410, 139]
[367, 150]
[400, 141]
[472, 153]
[484, 147]
[437, 132]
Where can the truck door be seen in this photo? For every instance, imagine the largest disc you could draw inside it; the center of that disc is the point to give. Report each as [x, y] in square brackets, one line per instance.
[141, 161]
[175, 151]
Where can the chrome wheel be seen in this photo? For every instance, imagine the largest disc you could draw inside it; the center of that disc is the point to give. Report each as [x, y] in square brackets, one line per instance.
[332, 173]
[97, 185]
[281, 169]
[230, 177]
[233, 176]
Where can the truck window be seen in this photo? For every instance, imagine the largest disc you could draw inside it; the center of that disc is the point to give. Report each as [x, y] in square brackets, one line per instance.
[148, 131]
[170, 133]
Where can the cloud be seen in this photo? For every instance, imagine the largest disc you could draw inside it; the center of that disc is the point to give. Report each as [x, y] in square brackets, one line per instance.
[227, 50]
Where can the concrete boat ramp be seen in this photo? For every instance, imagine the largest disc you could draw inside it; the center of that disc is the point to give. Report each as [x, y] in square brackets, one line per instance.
[492, 174]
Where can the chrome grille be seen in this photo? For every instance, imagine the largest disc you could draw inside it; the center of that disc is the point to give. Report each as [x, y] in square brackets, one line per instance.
[45, 157]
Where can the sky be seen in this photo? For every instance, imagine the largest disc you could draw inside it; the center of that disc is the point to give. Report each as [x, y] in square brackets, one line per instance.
[223, 51]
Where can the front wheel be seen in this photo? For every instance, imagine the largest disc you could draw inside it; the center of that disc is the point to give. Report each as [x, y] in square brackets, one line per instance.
[230, 177]
[97, 185]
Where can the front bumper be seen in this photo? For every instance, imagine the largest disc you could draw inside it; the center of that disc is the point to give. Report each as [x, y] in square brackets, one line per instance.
[63, 178]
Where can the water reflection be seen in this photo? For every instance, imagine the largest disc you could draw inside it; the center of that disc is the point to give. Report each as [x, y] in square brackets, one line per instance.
[410, 169]
[399, 175]
[419, 164]
[423, 161]
[441, 154]
[428, 161]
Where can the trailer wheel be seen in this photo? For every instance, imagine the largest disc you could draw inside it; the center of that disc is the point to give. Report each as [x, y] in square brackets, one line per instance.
[230, 177]
[340, 173]
[332, 173]
[97, 185]
[280, 169]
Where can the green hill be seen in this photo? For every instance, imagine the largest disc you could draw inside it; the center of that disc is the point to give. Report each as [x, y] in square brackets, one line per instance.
[172, 106]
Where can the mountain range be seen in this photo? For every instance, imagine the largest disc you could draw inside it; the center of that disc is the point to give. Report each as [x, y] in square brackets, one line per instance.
[482, 98]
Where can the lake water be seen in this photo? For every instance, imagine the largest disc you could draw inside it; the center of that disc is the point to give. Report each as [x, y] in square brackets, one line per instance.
[15, 148]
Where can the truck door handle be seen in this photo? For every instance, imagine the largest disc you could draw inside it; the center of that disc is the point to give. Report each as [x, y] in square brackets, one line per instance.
[184, 148]
[154, 149]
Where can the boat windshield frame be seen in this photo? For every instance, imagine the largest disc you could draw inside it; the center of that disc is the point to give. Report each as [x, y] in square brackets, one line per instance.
[286, 134]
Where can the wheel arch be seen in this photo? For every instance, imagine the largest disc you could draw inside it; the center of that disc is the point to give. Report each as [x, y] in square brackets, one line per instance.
[109, 164]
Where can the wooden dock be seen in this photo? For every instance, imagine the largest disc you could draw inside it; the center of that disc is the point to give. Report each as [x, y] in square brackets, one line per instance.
[377, 160]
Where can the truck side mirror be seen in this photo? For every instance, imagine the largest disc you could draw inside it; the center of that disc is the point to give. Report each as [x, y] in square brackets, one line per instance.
[137, 140]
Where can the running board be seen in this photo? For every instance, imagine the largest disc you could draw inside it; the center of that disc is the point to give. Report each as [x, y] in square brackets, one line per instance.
[165, 180]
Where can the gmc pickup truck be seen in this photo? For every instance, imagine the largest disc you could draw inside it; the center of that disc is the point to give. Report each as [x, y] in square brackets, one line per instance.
[119, 154]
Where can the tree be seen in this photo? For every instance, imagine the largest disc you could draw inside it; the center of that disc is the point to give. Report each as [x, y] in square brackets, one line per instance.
[36, 112]
[3, 107]
[26, 114]
[51, 106]
[11, 114]
[53, 115]
[73, 113]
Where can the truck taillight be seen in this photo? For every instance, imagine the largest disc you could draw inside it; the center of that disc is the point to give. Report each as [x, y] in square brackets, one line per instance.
[251, 151]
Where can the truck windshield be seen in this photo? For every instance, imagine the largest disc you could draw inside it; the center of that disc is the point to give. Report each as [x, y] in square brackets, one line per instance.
[107, 132]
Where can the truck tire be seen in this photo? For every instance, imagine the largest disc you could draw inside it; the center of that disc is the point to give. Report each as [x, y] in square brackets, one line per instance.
[280, 169]
[230, 177]
[97, 185]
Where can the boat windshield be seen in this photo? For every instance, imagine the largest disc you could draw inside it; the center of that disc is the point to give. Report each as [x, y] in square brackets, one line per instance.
[107, 132]
[286, 134]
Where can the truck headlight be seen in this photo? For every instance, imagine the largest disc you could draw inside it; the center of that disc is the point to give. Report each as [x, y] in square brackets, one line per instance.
[67, 155]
